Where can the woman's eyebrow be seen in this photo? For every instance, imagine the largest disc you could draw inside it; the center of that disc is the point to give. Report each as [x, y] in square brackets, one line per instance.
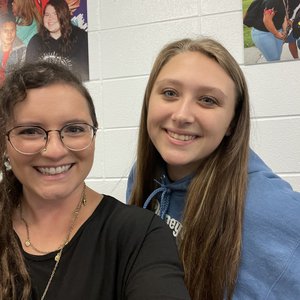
[203, 89]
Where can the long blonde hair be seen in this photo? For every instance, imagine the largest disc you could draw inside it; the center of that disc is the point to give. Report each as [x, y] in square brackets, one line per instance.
[210, 242]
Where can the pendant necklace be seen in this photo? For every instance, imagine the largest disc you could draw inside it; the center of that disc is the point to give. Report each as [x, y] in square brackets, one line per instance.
[28, 243]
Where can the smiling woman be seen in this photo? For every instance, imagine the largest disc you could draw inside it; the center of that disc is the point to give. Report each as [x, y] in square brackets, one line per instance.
[59, 41]
[51, 223]
[190, 110]
[194, 168]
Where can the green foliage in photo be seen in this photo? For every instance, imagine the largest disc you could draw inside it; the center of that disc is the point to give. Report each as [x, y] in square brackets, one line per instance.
[247, 31]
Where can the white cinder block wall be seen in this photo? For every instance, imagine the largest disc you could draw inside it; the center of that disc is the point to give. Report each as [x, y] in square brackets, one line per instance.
[124, 39]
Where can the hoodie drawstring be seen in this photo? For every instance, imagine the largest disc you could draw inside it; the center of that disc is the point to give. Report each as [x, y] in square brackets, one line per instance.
[164, 199]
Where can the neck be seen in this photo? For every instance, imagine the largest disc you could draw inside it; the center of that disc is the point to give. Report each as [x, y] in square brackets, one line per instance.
[38, 234]
[51, 205]
[55, 35]
[6, 47]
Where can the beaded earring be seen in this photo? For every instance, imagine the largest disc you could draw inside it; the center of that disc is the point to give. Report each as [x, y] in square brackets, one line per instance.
[7, 163]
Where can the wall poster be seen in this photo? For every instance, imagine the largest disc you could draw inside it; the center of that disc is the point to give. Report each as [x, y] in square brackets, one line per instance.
[50, 30]
[271, 30]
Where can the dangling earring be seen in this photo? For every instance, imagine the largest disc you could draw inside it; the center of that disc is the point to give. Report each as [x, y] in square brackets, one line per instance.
[7, 163]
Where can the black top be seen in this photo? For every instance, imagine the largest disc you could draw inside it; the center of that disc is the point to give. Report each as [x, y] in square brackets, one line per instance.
[279, 9]
[120, 252]
[49, 49]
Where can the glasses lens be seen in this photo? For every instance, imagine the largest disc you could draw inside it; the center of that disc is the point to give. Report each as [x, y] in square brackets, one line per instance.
[77, 136]
[28, 140]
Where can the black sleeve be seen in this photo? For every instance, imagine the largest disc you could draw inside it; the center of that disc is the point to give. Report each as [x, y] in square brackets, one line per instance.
[157, 272]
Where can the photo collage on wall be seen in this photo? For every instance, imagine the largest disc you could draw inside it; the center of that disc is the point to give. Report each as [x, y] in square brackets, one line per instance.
[271, 30]
[44, 30]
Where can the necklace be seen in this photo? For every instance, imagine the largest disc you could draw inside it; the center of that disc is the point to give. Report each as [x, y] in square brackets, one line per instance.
[75, 213]
[28, 242]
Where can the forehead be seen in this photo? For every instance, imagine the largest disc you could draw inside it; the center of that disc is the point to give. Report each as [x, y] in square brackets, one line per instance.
[57, 102]
[49, 8]
[8, 25]
[194, 61]
[196, 70]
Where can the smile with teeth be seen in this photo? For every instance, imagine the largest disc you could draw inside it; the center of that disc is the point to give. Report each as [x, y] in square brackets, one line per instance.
[54, 170]
[181, 137]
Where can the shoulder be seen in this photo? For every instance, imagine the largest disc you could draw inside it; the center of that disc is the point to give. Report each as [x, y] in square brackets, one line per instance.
[129, 216]
[126, 213]
[269, 196]
[132, 171]
[272, 206]
[78, 31]
[270, 259]
[18, 44]
[131, 225]
[36, 39]
[272, 3]
[263, 183]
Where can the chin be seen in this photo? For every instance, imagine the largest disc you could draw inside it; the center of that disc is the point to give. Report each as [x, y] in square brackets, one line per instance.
[176, 159]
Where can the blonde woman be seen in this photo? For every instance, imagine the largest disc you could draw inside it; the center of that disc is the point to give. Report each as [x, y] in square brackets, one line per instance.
[236, 222]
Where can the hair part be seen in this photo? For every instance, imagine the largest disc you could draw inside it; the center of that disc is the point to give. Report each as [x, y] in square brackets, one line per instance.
[210, 241]
[14, 278]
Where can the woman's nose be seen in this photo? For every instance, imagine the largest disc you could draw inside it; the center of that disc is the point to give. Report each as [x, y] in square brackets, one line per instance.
[55, 146]
[183, 112]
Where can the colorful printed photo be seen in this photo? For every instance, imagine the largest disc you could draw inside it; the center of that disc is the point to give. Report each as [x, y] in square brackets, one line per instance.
[51, 30]
[271, 30]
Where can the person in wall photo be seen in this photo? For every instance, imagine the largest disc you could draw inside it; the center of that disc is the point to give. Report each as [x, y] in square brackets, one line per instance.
[271, 28]
[12, 50]
[59, 41]
[61, 239]
[236, 222]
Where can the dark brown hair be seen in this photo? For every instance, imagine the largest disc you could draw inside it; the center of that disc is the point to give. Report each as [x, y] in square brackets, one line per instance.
[64, 18]
[14, 278]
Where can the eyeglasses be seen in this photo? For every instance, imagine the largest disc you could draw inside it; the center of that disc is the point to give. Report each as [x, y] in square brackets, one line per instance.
[30, 140]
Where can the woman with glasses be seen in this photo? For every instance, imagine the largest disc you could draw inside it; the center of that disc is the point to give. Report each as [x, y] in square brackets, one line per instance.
[59, 239]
